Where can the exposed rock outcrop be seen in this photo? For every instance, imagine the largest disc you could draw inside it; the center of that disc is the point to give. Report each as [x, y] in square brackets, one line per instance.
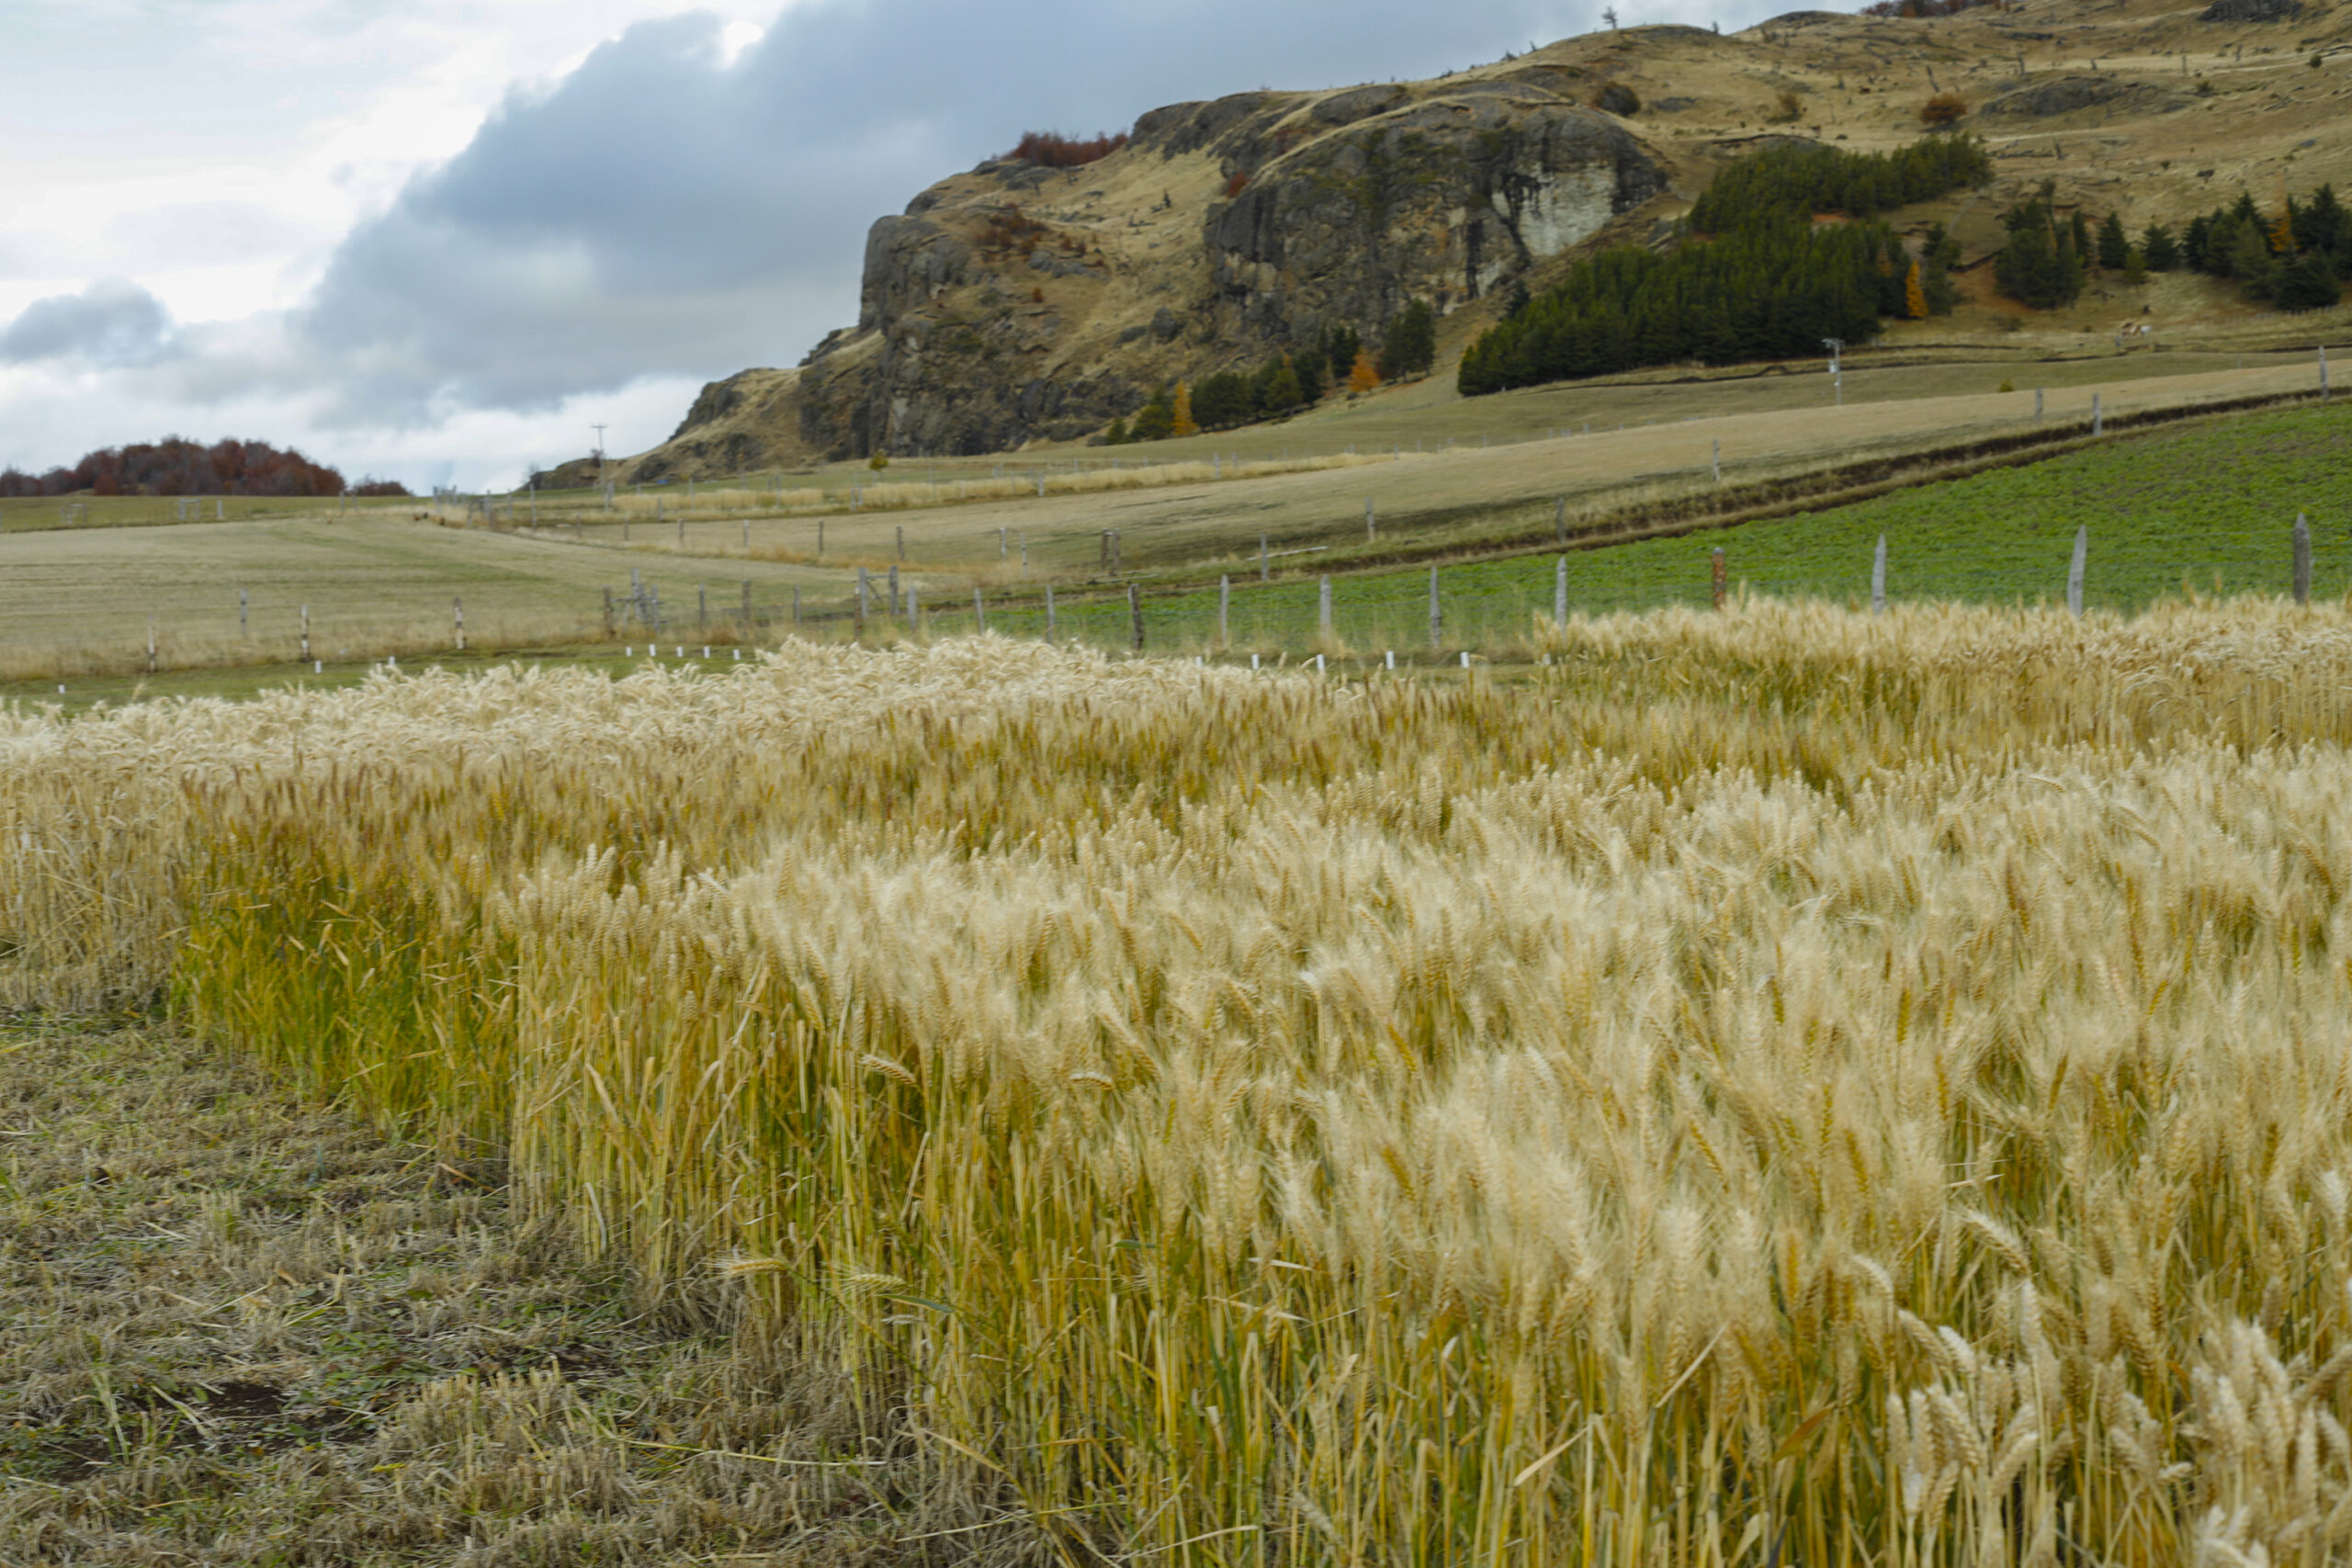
[1013, 303]
[2252, 11]
[1440, 200]
[2069, 93]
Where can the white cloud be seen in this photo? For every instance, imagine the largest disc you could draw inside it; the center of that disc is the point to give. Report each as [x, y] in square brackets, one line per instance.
[112, 323]
[398, 230]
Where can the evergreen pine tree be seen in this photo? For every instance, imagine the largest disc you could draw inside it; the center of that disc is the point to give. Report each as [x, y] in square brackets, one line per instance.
[2162, 251]
[1340, 346]
[2113, 243]
[1157, 422]
[1409, 345]
[1313, 371]
[1117, 434]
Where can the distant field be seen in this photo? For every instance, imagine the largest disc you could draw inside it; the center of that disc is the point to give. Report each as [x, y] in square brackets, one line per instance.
[23, 513]
[2206, 509]
[77, 603]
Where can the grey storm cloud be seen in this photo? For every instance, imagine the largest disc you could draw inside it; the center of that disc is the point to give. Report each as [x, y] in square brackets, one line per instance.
[665, 211]
[112, 323]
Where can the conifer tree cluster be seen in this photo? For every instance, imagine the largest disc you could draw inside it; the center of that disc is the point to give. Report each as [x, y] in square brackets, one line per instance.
[2045, 260]
[1768, 282]
[1797, 182]
[2297, 259]
[1287, 382]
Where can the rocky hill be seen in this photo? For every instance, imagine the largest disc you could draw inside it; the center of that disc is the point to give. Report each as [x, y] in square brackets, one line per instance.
[1018, 302]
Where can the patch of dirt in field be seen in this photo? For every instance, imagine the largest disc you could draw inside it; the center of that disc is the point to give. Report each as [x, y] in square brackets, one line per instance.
[236, 1331]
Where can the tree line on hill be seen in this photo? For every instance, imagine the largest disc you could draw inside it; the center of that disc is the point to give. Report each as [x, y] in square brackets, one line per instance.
[1799, 182]
[178, 467]
[1287, 382]
[2296, 260]
[1753, 276]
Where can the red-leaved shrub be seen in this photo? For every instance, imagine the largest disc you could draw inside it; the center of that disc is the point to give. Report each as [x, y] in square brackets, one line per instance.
[1052, 149]
[1928, 8]
[178, 467]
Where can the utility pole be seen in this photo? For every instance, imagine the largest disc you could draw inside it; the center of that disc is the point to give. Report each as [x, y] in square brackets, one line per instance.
[600, 455]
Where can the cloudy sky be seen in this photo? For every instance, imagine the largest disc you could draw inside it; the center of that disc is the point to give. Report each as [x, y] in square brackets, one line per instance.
[437, 240]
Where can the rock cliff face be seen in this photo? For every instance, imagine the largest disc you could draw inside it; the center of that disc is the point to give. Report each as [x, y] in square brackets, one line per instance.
[1016, 302]
[1440, 199]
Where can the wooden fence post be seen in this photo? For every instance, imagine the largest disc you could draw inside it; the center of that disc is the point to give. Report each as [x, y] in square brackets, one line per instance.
[2099, 417]
[458, 613]
[1560, 592]
[1323, 611]
[1135, 613]
[306, 631]
[894, 601]
[2303, 560]
[1437, 614]
[902, 541]
[702, 607]
[1716, 576]
[1878, 579]
[2075, 571]
[747, 535]
[1715, 459]
[795, 607]
[1265, 573]
[608, 610]
[150, 645]
[1049, 611]
[1370, 522]
[2037, 405]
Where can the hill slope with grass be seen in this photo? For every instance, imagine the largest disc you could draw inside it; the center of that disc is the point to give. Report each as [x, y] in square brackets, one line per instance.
[1037, 298]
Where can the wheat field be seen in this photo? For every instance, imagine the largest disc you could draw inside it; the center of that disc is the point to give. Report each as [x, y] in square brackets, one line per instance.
[1783, 1086]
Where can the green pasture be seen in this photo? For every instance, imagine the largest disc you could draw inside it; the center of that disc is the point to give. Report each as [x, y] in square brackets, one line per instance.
[2206, 509]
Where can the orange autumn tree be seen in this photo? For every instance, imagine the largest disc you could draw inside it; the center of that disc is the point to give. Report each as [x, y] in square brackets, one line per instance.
[1184, 425]
[1915, 297]
[1363, 376]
